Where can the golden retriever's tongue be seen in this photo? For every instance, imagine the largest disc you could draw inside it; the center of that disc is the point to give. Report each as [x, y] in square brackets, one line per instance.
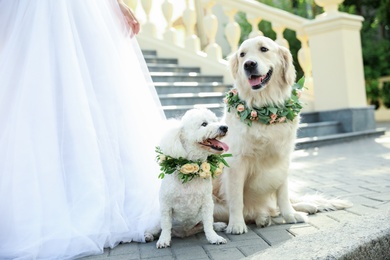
[215, 142]
[254, 81]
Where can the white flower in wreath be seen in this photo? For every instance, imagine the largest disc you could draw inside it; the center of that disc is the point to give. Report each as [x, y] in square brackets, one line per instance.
[221, 166]
[240, 108]
[218, 172]
[189, 168]
[162, 158]
[205, 166]
[204, 174]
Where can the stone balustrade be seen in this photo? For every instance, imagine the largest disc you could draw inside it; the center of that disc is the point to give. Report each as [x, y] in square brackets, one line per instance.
[330, 53]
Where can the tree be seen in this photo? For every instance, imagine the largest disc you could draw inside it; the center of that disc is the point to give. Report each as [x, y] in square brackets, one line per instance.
[375, 36]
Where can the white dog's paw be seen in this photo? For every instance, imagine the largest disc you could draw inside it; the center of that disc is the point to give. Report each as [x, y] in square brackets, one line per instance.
[236, 228]
[219, 226]
[295, 217]
[263, 221]
[215, 239]
[163, 242]
[148, 237]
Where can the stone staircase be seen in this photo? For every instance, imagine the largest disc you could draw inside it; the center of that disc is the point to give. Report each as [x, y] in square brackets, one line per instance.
[182, 88]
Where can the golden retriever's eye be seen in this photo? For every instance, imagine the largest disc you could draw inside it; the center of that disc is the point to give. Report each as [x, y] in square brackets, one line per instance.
[263, 49]
[204, 124]
[242, 54]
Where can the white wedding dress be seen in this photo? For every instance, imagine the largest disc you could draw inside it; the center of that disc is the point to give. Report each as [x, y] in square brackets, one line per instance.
[79, 120]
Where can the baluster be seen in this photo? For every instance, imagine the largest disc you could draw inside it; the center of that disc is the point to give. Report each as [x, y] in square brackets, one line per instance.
[170, 32]
[254, 21]
[132, 4]
[192, 41]
[210, 23]
[232, 30]
[304, 59]
[279, 29]
[148, 28]
[330, 6]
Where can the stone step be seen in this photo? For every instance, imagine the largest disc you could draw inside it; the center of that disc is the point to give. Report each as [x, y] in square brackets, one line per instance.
[319, 129]
[311, 142]
[189, 87]
[177, 111]
[180, 99]
[155, 60]
[149, 53]
[184, 77]
[171, 68]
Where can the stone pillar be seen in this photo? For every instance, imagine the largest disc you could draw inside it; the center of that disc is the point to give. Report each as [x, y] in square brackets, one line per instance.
[337, 62]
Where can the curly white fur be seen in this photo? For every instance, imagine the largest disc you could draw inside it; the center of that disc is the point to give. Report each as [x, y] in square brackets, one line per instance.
[185, 206]
[255, 187]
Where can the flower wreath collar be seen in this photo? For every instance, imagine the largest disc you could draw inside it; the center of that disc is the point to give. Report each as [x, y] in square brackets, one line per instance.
[188, 170]
[267, 115]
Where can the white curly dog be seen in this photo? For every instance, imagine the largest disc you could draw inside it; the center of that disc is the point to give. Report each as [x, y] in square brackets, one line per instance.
[186, 206]
[255, 187]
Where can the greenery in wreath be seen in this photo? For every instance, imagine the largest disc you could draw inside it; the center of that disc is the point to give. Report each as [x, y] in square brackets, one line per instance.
[269, 114]
[188, 170]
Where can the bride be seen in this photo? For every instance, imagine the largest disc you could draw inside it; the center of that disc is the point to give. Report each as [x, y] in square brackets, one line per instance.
[79, 119]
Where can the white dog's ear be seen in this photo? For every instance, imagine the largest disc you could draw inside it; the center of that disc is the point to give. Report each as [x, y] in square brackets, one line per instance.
[288, 66]
[233, 64]
[171, 143]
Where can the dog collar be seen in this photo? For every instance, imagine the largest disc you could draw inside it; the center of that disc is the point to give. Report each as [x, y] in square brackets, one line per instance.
[188, 170]
[267, 115]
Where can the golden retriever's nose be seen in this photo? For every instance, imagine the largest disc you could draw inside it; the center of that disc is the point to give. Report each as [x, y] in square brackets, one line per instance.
[223, 129]
[250, 65]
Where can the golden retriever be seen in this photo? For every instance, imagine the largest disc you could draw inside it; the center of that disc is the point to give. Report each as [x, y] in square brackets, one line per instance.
[255, 187]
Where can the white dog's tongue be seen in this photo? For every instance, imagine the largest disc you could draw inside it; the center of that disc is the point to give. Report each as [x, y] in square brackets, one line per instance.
[218, 143]
[254, 81]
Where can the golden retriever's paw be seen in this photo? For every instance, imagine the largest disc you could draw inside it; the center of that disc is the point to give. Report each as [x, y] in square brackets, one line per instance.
[163, 242]
[295, 217]
[219, 226]
[217, 240]
[263, 221]
[237, 229]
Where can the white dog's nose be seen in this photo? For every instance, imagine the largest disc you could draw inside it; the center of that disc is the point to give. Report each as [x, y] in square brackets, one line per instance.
[223, 128]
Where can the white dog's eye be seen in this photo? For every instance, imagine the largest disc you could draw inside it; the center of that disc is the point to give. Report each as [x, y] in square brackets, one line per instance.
[242, 54]
[263, 49]
[204, 124]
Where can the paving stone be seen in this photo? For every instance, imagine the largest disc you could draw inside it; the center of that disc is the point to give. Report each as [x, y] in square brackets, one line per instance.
[384, 196]
[275, 236]
[129, 249]
[149, 250]
[190, 253]
[299, 231]
[247, 236]
[226, 253]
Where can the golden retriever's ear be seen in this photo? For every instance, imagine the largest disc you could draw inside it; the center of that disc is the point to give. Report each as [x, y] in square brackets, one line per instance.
[288, 66]
[233, 64]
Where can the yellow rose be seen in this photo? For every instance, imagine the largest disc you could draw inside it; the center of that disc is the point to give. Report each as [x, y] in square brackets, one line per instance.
[162, 158]
[205, 167]
[196, 167]
[204, 174]
[221, 166]
[187, 168]
[218, 172]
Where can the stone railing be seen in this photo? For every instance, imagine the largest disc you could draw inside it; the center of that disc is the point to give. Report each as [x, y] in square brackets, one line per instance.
[203, 32]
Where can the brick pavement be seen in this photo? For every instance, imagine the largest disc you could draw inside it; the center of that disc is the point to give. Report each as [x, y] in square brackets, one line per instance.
[358, 171]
